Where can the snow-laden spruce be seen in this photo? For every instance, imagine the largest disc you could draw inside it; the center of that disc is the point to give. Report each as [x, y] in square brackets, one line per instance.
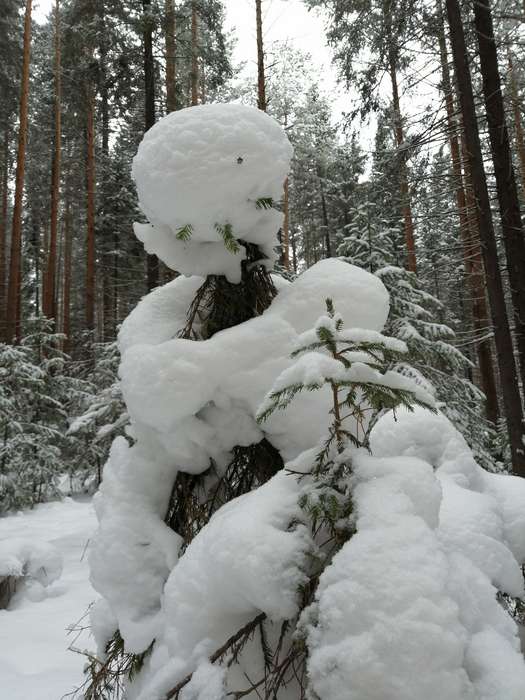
[344, 574]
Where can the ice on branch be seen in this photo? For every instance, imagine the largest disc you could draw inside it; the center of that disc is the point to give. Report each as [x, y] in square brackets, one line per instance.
[207, 177]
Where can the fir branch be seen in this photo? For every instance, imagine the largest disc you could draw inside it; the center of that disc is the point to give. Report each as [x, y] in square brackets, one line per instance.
[184, 233]
[264, 203]
[226, 233]
[241, 636]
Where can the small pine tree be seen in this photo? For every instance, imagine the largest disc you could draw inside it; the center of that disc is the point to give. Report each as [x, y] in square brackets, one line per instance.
[354, 366]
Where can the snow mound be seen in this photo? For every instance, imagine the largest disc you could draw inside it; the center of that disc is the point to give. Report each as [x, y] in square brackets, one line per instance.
[204, 167]
[416, 587]
[387, 627]
[30, 559]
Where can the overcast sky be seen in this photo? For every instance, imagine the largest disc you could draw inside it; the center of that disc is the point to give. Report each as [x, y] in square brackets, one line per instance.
[282, 20]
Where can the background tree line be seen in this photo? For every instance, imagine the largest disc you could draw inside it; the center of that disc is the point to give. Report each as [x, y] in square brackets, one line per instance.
[433, 207]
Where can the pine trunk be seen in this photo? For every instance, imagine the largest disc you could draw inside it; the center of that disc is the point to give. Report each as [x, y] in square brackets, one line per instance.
[502, 335]
[152, 262]
[107, 250]
[66, 298]
[194, 55]
[90, 211]
[261, 81]
[327, 242]
[286, 226]
[507, 190]
[169, 32]
[14, 293]
[399, 136]
[470, 241]
[49, 297]
[518, 125]
[3, 236]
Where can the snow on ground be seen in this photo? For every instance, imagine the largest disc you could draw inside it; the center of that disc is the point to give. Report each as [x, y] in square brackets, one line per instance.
[35, 663]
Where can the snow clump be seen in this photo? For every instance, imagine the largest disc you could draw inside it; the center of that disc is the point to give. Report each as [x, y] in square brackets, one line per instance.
[408, 608]
[200, 169]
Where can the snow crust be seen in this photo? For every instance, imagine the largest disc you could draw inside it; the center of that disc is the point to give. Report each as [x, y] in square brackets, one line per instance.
[207, 166]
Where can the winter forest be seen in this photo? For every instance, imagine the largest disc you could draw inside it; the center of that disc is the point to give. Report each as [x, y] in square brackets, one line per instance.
[262, 350]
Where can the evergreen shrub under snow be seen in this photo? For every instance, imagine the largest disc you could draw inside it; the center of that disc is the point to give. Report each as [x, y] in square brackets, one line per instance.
[288, 517]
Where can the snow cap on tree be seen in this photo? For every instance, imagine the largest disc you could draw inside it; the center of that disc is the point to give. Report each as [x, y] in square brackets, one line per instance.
[207, 177]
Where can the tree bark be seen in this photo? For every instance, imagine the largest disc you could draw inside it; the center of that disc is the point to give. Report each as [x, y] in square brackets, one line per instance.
[518, 125]
[261, 81]
[194, 55]
[399, 136]
[169, 33]
[286, 226]
[502, 335]
[509, 206]
[326, 227]
[13, 315]
[470, 240]
[152, 262]
[3, 237]
[49, 297]
[90, 209]
[66, 298]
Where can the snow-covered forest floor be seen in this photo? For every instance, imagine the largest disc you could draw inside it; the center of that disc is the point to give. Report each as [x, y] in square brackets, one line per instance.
[35, 661]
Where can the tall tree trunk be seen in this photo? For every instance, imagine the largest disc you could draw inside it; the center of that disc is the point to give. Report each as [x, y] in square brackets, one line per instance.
[152, 262]
[326, 226]
[90, 209]
[3, 230]
[511, 224]
[518, 125]
[13, 316]
[399, 136]
[261, 81]
[286, 226]
[169, 33]
[66, 297]
[49, 297]
[194, 55]
[502, 335]
[470, 240]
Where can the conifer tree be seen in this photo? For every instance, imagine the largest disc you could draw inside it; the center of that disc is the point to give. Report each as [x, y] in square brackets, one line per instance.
[414, 318]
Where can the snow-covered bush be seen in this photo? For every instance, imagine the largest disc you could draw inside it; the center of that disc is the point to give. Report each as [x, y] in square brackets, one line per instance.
[251, 550]
[38, 390]
[27, 564]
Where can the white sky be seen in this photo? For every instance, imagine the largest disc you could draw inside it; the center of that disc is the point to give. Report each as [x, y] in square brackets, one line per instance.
[283, 20]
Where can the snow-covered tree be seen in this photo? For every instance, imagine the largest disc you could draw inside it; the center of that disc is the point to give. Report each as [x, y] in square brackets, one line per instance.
[417, 318]
[221, 572]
